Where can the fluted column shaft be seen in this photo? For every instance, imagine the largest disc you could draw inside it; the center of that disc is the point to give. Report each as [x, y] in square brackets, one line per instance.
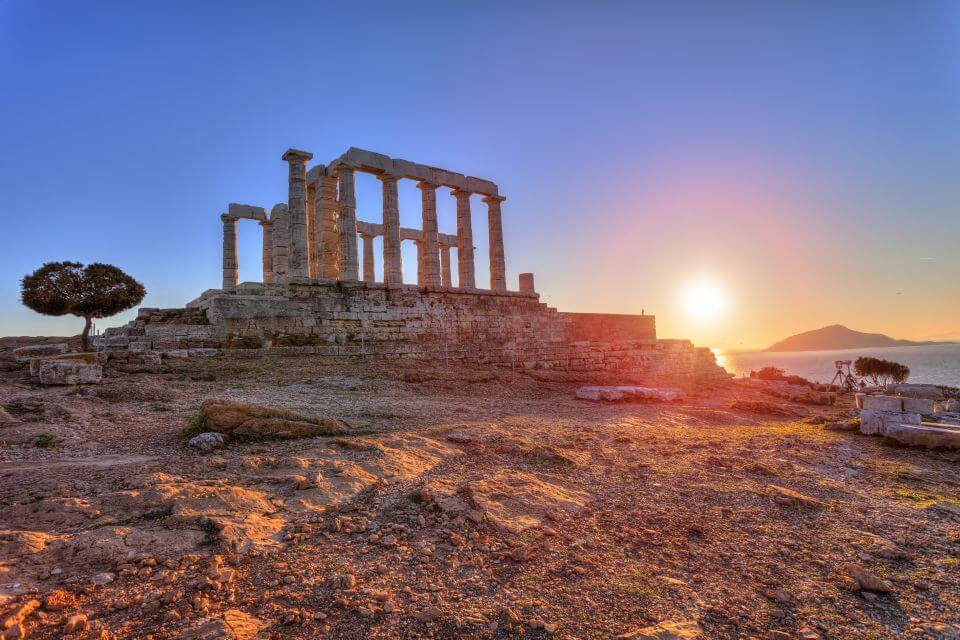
[465, 268]
[230, 266]
[347, 226]
[313, 249]
[445, 273]
[267, 227]
[498, 265]
[298, 262]
[419, 244]
[281, 231]
[431, 254]
[392, 260]
[369, 275]
[328, 237]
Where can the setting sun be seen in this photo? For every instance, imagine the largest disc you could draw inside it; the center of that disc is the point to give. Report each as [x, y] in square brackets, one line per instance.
[704, 300]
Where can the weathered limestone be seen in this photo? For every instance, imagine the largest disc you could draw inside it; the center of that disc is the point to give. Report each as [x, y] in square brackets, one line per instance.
[379, 163]
[420, 257]
[369, 275]
[299, 256]
[267, 227]
[247, 211]
[526, 283]
[465, 266]
[313, 249]
[347, 225]
[279, 219]
[31, 351]
[445, 271]
[431, 255]
[392, 258]
[498, 267]
[230, 267]
[328, 235]
[69, 372]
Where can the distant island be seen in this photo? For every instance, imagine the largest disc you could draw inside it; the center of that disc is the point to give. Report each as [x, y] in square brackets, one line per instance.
[837, 336]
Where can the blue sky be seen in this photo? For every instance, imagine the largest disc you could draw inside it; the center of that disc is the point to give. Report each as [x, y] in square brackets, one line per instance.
[802, 156]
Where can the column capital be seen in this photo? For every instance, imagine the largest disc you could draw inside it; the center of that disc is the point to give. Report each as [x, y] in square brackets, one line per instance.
[296, 155]
[489, 199]
[427, 186]
[461, 193]
[227, 217]
[387, 177]
[265, 223]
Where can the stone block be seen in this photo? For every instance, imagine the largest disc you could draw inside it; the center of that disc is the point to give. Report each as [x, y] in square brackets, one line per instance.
[55, 372]
[918, 405]
[28, 352]
[246, 211]
[926, 435]
[883, 403]
[858, 399]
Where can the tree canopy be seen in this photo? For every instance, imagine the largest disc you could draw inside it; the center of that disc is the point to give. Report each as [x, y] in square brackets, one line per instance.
[94, 291]
[881, 372]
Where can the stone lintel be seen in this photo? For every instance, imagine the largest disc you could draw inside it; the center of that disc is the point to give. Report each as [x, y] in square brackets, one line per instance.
[247, 211]
[291, 155]
[406, 233]
[380, 164]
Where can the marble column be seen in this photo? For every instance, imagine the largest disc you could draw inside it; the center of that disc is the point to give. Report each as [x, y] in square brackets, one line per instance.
[445, 275]
[369, 275]
[230, 267]
[347, 225]
[298, 265]
[392, 260]
[419, 244]
[498, 266]
[267, 227]
[431, 256]
[526, 283]
[328, 237]
[281, 232]
[313, 249]
[465, 270]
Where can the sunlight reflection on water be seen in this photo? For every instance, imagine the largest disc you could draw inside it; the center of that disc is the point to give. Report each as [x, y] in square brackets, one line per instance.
[933, 364]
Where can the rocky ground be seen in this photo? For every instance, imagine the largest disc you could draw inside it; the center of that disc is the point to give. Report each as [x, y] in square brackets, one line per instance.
[462, 503]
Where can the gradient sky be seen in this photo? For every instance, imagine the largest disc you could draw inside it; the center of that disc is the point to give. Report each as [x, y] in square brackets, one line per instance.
[803, 156]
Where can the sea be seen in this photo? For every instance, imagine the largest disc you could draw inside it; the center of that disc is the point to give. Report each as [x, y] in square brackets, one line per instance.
[929, 364]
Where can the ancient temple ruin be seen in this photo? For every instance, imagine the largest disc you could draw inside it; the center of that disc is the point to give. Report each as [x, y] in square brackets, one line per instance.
[314, 298]
[314, 235]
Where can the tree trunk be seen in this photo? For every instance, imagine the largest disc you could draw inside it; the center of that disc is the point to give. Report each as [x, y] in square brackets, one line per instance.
[85, 336]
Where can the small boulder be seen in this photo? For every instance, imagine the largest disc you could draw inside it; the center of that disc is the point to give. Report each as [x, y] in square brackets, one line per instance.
[250, 421]
[868, 581]
[684, 630]
[208, 442]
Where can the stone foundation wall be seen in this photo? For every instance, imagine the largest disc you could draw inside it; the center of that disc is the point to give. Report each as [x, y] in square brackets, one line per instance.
[609, 327]
[357, 319]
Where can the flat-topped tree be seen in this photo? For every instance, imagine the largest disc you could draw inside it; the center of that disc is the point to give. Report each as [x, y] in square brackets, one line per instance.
[95, 291]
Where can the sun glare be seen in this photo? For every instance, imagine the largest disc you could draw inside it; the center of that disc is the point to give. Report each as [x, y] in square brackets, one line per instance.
[704, 300]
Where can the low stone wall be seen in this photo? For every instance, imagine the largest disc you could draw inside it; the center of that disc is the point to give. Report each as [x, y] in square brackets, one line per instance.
[356, 319]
